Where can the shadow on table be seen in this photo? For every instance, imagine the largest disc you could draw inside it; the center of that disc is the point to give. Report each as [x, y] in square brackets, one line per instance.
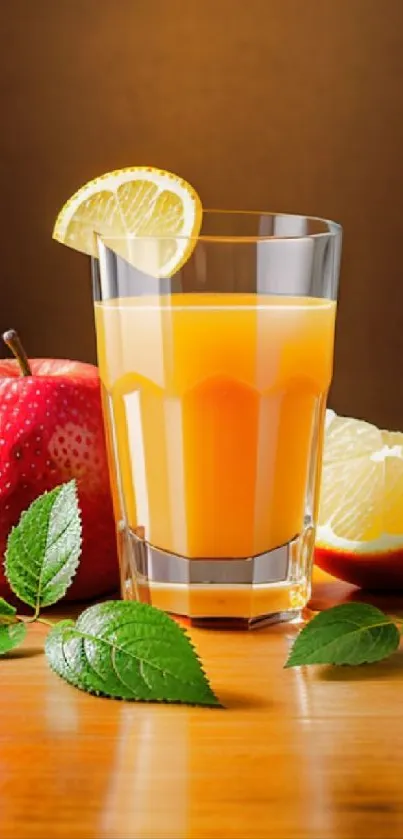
[23, 652]
[390, 668]
[233, 700]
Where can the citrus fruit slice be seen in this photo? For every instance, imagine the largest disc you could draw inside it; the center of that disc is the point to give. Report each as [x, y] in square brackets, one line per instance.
[360, 526]
[137, 203]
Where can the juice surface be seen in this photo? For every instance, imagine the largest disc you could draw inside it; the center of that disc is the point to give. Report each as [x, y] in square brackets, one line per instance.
[214, 402]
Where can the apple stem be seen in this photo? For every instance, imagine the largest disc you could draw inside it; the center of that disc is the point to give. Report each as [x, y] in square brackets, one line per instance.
[12, 340]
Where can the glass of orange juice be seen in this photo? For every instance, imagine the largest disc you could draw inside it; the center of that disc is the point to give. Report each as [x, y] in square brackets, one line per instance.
[215, 380]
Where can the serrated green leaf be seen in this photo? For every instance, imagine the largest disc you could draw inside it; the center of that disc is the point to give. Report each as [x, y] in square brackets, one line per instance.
[129, 650]
[352, 633]
[54, 650]
[6, 609]
[43, 550]
[11, 636]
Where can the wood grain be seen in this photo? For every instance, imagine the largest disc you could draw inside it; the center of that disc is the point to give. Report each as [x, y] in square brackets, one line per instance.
[295, 754]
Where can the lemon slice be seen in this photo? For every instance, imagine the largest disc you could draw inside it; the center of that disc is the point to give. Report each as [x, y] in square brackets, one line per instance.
[361, 501]
[128, 207]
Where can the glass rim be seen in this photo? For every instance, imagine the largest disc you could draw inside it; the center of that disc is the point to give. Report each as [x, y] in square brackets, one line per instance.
[332, 229]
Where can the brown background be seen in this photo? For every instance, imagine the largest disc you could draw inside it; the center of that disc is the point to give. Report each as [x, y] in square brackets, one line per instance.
[293, 105]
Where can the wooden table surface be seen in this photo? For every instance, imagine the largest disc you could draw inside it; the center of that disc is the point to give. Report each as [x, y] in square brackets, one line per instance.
[314, 752]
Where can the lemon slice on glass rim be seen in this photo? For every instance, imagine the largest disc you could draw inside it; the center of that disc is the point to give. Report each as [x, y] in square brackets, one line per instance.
[150, 217]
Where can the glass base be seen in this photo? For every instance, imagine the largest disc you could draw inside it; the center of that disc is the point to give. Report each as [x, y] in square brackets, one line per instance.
[235, 624]
[223, 593]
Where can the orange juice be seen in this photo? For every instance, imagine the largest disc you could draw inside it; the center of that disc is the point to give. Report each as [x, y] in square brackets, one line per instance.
[213, 403]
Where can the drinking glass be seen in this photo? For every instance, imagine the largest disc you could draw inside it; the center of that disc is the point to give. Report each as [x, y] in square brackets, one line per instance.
[215, 381]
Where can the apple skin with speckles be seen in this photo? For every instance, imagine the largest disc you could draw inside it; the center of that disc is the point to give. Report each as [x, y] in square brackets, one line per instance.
[51, 430]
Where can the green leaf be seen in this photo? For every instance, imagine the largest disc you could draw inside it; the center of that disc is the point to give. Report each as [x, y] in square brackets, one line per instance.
[43, 550]
[6, 609]
[11, 636]
[129, 650]
[353, 633]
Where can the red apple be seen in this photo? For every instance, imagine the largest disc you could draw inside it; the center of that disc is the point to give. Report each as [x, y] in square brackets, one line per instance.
[51, 430]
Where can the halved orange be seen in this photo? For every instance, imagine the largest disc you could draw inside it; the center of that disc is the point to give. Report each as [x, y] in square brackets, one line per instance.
[360, 530]
[136, 203]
